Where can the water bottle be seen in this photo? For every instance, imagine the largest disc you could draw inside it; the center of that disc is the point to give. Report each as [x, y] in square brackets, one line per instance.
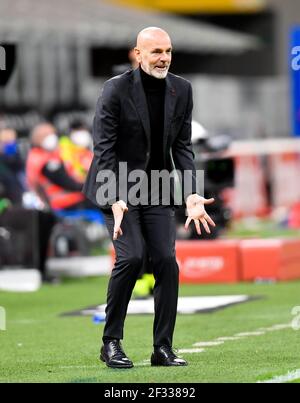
[98, 318]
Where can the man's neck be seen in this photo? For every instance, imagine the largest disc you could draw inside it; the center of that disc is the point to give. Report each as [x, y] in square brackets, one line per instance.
[151, 81]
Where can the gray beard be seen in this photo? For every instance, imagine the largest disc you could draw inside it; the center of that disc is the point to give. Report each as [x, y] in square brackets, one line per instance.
[155, 74]
[160, 76]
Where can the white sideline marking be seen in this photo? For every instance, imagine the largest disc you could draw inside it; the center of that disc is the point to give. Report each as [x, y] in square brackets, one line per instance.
[208, 343]
[265, 329]
[144, 363]
[280, 327]
[240, 336]
[233, 338]
[275, 328]
[291, 376]
[191, 350]
[249, 334]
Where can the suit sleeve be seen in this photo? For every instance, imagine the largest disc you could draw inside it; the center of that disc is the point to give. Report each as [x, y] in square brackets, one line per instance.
[183, 151]
[105, 133]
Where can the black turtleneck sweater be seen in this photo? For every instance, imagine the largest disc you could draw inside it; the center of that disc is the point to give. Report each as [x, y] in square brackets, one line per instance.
[155, 94]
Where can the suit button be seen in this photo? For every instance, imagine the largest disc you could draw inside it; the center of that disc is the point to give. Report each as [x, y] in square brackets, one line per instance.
[148, 154]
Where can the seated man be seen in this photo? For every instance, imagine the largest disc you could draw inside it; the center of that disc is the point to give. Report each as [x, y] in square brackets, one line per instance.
[46, 173]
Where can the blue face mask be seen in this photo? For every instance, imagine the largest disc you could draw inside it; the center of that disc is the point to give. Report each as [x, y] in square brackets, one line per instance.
[10, 148]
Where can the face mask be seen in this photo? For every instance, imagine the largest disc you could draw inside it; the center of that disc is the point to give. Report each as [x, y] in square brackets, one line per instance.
[50, 143]
[81, 138]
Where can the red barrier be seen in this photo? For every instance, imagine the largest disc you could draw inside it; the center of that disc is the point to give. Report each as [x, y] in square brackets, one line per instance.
[276, 259]
[233, 261]
[208, 261]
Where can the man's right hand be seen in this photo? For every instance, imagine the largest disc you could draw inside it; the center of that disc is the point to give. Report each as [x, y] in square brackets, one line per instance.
[118, 209]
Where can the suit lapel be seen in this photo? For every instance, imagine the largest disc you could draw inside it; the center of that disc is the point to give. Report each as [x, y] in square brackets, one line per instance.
[139, 97]
[170, 102]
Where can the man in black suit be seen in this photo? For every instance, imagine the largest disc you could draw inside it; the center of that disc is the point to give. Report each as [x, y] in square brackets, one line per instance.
[143, 119]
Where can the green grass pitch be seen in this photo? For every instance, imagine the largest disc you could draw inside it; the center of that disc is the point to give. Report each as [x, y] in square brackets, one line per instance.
[41, 346]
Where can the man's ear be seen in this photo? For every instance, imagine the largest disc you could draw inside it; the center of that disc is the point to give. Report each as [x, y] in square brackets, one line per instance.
[137, 53]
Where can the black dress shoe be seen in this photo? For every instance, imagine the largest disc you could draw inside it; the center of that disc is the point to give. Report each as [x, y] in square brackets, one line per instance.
[113, 355]
[164, 356]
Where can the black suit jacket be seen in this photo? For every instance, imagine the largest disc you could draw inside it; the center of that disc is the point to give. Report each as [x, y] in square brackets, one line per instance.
[121, 130]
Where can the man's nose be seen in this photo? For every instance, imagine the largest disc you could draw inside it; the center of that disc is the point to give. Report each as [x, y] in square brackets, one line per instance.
[165, 57]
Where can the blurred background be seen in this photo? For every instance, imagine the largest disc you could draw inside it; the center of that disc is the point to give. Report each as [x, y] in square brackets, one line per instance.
[242, 59]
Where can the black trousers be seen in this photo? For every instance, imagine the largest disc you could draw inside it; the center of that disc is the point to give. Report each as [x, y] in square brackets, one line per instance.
[155, 227]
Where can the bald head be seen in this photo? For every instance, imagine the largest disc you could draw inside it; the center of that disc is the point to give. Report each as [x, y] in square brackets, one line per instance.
[154, 51]
[151, 35]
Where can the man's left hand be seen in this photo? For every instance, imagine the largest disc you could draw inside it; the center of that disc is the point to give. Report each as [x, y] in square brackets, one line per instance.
[197, 213]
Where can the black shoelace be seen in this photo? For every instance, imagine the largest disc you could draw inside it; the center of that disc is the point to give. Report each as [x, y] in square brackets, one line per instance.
[117, 350]
[171, 352]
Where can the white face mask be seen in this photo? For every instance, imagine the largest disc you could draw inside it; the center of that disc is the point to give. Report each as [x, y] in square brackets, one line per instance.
[81, 138]
[50, 143]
